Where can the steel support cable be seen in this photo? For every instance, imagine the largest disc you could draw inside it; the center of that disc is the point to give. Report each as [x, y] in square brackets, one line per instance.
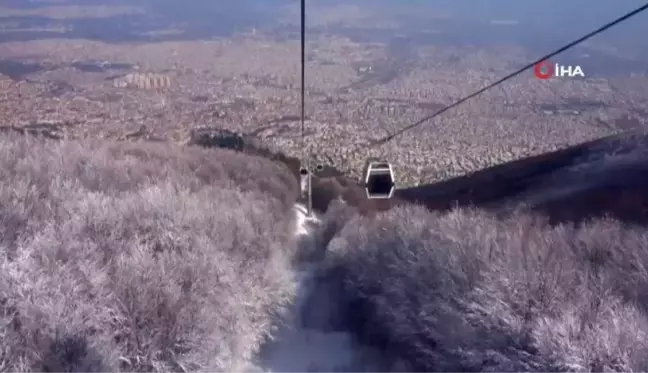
[509, 76]
[303, 68]
[303, 73]
[305, 150]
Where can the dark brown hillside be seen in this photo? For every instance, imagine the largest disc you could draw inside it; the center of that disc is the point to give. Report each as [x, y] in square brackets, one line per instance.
[608, 176]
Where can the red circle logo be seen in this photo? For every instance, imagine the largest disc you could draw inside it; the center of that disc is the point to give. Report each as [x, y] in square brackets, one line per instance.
[544, 70]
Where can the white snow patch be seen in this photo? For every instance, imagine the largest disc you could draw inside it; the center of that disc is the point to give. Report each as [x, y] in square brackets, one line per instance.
[297, 348]
[304, 350]
[301, 349]
[304, 223]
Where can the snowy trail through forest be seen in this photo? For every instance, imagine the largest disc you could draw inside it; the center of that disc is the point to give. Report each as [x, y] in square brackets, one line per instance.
[306, 343]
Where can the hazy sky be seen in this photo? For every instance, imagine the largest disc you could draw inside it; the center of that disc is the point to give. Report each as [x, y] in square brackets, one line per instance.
[565, 17]
[554, 20]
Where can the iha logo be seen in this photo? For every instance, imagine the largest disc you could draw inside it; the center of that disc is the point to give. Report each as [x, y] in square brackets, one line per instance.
[547, 69]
